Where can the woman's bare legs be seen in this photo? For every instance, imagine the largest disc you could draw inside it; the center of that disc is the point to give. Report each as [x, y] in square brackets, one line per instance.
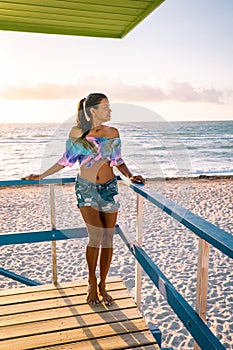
[92, 254]
[100, 226]
[109, 221]
[105, 261]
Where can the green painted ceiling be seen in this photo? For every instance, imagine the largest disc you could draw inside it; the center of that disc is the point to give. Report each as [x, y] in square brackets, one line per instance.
[97, 18]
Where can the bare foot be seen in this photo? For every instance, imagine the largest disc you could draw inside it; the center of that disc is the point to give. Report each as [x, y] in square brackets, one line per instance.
[92, 295]
[107, 299]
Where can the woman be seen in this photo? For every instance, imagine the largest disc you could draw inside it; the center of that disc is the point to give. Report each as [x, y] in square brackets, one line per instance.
[97, 148]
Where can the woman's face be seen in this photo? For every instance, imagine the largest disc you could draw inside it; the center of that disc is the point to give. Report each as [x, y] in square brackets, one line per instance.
[103, 111]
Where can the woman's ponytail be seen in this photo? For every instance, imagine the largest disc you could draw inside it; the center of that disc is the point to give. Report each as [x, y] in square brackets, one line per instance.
[84, 119]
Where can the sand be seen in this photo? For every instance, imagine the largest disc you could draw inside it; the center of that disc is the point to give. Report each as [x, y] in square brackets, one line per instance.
[172, 247]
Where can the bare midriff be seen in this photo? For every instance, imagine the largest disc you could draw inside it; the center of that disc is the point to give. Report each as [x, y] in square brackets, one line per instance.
[100, 172]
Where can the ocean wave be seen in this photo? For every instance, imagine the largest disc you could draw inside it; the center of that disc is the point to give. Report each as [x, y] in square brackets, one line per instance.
[26, 141]
[210, 176]
[195, 149]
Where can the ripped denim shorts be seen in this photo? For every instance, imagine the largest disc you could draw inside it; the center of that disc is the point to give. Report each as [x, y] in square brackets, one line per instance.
[101, 196]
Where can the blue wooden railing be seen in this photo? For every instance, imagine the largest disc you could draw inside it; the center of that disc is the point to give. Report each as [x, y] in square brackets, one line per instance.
[208, 232]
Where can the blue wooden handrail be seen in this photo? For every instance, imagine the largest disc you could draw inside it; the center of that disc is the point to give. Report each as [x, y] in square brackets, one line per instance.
[217, 237]
[42, 236]
[51, 181]
[19, 278]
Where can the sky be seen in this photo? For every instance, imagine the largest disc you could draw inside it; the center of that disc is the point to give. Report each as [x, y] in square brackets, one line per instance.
[178, 63]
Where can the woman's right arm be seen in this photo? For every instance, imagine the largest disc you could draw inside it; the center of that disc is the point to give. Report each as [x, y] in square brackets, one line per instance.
[54, 169]
[74, 133]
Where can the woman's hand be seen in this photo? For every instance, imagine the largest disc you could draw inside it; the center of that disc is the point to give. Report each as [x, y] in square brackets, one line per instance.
[138, 179]
[53, 169]
[31, 177]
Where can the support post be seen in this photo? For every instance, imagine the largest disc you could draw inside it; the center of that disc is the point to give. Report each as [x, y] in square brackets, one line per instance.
[138, 268]
[202, 281]
[53, 226]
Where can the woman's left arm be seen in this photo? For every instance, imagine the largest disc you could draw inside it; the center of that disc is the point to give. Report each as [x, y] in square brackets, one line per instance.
[119, 162]
[126, 172]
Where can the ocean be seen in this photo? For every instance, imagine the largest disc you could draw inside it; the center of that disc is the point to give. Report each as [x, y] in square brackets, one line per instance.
[153, 149]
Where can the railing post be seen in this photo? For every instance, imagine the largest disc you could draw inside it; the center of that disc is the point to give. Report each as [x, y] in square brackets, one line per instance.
[53, 225]
[202, 280]
[138, 268]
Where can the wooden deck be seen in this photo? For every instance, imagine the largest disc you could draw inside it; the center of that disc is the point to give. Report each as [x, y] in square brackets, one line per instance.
[49, 317]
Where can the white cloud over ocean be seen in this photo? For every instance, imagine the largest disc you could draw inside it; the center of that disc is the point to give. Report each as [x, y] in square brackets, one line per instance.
[117, 90]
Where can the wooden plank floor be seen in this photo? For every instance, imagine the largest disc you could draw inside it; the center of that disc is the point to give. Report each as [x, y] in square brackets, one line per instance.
[49, 317]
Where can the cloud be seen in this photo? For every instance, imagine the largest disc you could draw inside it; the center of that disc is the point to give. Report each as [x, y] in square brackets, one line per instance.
[184, 92]
[116, 89]
[39, 91]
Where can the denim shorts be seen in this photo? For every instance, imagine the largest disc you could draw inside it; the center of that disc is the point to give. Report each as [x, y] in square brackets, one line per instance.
[101, 196]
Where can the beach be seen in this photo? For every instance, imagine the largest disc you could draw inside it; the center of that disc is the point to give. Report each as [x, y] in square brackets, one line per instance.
[172, 247]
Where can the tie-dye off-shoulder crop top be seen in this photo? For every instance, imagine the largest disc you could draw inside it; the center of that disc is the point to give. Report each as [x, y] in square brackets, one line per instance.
[89, 150]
